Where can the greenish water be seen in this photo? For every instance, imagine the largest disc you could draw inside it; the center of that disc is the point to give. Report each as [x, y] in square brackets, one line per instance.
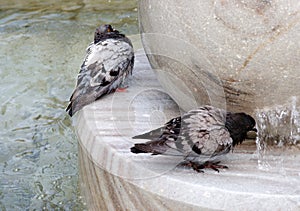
[42, 45]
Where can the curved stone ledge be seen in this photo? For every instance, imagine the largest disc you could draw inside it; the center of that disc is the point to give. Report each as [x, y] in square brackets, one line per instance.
[112, 178]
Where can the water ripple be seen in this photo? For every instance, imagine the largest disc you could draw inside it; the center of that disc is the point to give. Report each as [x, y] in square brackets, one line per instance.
[42, 45]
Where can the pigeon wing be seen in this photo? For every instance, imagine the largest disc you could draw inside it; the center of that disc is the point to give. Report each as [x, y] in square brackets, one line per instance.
[203, 132]
[105, 66]
[171, 127]
[162, 139]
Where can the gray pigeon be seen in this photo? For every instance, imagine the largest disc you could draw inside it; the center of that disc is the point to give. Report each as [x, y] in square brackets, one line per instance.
[109, 60]
[199, 136]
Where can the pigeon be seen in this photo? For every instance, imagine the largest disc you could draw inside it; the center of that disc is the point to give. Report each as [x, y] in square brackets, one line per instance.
[199, 136]
[108, 61]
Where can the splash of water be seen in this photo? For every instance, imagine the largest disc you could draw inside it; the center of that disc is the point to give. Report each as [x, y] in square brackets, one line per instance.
[279, 131]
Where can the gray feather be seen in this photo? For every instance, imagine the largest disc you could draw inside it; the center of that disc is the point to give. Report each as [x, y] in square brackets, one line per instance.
[105, 67]
[198, 136]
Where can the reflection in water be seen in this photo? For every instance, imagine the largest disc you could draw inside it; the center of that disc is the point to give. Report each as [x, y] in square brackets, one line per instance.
[42, 45]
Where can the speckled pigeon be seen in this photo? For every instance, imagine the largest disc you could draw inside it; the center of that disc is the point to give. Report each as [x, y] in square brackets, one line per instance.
[199, 136]
[109, 60]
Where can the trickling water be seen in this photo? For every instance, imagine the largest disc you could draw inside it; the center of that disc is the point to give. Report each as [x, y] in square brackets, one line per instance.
[280, 125]
[279, 132]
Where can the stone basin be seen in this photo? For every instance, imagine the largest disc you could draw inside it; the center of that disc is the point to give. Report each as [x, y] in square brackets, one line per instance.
[113, 178]
[240, 55]
[236, 55]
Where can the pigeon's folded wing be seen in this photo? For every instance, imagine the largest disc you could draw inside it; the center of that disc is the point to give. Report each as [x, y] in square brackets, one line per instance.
[105, 66]
[203, 132]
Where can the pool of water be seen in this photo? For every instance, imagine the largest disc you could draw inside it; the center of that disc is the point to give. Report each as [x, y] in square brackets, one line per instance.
[42, 45]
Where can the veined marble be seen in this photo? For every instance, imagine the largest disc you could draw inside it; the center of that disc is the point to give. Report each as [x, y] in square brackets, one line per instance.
[240, 55]
[112, 178]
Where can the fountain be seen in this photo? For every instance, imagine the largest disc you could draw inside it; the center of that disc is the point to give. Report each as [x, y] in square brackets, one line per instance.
[237, 55]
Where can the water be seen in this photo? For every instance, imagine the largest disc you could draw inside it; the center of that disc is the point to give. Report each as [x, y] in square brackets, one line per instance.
[42, 46]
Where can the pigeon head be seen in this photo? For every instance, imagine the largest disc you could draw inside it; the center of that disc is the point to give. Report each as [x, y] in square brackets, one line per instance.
[105, 31]
[238, 124]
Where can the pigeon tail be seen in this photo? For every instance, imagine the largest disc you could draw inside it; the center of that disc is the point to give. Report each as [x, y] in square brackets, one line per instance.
[155, 147]
[136, 150]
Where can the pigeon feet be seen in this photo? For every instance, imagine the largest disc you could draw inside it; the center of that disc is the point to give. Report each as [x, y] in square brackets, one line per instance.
[208, 164]
[121, 89]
